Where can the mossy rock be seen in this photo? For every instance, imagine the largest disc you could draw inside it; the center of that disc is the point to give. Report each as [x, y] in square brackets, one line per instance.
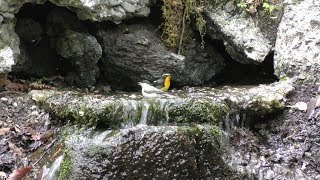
[147, 151]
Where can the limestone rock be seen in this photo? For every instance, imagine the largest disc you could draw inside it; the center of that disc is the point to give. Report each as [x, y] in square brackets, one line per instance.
[244, 41]
[297, 50]
[101, 10]
[9, 46]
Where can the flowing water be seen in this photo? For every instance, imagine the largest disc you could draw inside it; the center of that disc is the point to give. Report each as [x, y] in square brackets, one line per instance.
[52, 173]
[194, 105]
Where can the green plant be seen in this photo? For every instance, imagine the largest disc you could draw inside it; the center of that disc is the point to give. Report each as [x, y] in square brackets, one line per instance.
[269, 8]
[252, 6]
[242, 5]
[177, 16]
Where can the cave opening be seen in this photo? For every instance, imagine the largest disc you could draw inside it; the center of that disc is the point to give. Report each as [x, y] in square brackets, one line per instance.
[40, 25]
[236, 73]
[38, 57]
[53, 43]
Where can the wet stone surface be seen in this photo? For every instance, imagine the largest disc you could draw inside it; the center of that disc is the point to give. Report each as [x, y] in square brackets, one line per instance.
[284, 147]
[191, 105]
[147, 152]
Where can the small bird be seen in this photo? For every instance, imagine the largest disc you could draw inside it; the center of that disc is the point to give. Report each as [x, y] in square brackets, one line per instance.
[164, 82]
[149, 91]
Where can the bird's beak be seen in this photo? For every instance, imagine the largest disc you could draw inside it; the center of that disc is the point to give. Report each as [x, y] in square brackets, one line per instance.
[139, 83]
[166, 74]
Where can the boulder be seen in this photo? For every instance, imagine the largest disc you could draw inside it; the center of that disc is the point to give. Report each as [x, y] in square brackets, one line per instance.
[82, 51]
[145, 152]
[243, 39]
[297, 50]
[135, 52]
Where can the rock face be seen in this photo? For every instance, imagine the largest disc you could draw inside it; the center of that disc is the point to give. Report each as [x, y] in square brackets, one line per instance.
[134, 53]
[9, 46]
[297, 50]
[244, 41]
[146, 151]
[94, 10]
[9, 41]
[114, 10]
[83, 52]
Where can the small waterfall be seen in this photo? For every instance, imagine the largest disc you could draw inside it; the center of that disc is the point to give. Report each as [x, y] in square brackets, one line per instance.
[52, 173]
[144, 112]
[100, 137]
[232, 120]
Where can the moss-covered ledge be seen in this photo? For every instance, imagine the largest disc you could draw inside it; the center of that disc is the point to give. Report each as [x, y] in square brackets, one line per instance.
[194, 105]
[123, 110]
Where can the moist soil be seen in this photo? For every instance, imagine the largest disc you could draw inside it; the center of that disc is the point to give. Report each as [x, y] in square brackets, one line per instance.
[27, 136]
[282, 146]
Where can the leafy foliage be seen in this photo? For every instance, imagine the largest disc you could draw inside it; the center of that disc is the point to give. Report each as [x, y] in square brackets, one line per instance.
[252, 6]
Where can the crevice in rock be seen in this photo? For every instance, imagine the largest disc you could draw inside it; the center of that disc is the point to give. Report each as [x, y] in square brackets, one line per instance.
[37, 56]
[53, 41]
[236, 73]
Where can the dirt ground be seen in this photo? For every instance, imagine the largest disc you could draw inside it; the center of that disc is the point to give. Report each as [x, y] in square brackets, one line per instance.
[285, 146]
[26, 134]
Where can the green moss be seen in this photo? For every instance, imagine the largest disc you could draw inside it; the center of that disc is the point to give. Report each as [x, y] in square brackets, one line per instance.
[79, 114]
[66, 165]
[267, 6]
[111, 116]
[194, 131]
[157, 114]
[177, 16]
[208, 139]
[216, 132]
[276, 104]
[198, 112]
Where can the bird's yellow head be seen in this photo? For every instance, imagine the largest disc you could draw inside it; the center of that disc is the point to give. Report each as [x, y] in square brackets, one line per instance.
[166, 83]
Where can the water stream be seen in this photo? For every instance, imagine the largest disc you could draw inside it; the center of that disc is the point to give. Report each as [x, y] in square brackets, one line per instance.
[182, 108]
